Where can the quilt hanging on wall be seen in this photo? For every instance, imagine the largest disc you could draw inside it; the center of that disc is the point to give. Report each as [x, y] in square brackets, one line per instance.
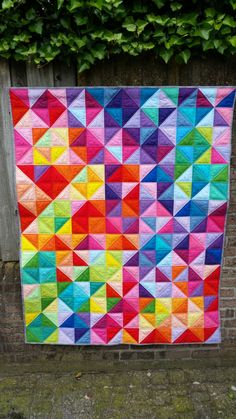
[122, 196]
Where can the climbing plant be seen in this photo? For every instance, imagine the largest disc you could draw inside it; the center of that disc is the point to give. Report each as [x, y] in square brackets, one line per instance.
[89, 30]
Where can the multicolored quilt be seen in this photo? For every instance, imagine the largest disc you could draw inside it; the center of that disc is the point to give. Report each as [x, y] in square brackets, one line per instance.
[122, 197]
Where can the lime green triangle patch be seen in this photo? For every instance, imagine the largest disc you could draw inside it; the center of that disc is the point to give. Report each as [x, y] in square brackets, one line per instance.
[206, 133]
[186, 187]
[53, 338]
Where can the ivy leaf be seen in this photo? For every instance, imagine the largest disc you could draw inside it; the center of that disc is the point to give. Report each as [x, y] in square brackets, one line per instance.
[166, 55]
[30, 14]
[159, 3]
[187, 19]
[182, 31]
[117, 3]
[173, 40]
[129, 24]
[80, 42]
[203, 33]
[7, 4]
[185, 55]
[89, 58]
[175, 6]
[37, 27]
[225, 31]
[162, 20]
[158, 33]
[141, 24]
[151, 18]
[99, 52]
[59, 4]
[229, 21]
[65, 23]
[95, 29]
[148, 45]
[210, 12]
[83, 67]
[74, 4]
[233, 4]
[81, 20]
[232, 40]
[209, 44]
[221, 49]
[99, 4]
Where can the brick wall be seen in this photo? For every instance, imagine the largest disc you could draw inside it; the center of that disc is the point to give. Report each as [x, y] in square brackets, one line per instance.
[12, 347]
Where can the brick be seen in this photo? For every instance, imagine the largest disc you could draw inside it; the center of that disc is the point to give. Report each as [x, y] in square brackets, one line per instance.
[128, 355]
[228, 313]
[92, 356]
[144, 347]
[160, 354]
[230, 251]
[179, 354]
[230, 261]
[231, 241]
[228, 302]
[227, 281]
[145, 355]
[110, 356]
[206, 353]
[227, 292]
[230, 323]
[232, 333]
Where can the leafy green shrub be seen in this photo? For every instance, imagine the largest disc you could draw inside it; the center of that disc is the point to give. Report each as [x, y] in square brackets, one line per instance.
[90, 30]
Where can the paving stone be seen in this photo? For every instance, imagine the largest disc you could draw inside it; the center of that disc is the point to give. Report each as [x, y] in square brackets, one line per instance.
[159, 394]
[159, 377]
[177, 376]
[182, 404]
[199, 396]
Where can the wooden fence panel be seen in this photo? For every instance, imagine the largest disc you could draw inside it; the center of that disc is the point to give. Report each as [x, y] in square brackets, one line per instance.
[18, 74]
[8, 207]
[147, 71]
[39, 77]
[64, 75]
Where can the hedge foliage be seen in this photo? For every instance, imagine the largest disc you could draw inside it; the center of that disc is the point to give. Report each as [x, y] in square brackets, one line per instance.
[89, 30]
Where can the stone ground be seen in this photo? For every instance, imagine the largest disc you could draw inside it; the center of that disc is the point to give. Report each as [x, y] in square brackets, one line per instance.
[196, 393]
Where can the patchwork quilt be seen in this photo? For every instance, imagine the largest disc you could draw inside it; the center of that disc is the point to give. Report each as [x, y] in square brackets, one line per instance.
[122, 196]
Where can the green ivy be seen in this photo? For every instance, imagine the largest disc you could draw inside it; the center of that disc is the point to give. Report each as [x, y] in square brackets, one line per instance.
[89, 30]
